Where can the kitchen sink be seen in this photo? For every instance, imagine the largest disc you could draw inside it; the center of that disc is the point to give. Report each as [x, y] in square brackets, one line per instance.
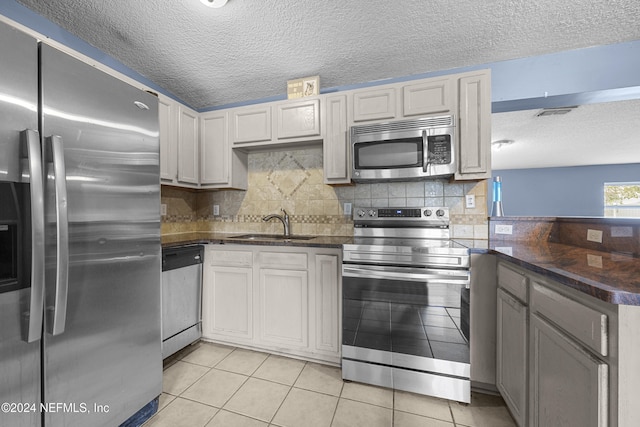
[270, 237]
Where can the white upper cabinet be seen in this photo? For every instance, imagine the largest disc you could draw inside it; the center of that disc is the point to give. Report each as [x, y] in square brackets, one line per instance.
[168, 121]
[374, 104]
[188, 153]
[179, 152]
[335, 148]
[220, 166]
[432, 96]
[251, 124]
[474, 125]
[298, 119]
[214, 148]
[209, 150]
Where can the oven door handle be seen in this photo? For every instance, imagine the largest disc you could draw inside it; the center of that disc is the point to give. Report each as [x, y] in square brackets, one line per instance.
[410, 274]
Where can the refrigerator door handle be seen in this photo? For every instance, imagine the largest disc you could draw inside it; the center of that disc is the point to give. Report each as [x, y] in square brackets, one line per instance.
[30, 140]
[58, 312]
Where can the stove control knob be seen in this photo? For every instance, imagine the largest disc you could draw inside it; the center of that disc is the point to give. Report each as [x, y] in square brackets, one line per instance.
[427, 212]
[372, 212]
[440, 212]
[361, 213]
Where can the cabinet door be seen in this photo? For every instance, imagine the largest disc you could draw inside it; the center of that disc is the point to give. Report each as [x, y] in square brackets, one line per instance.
[251, 124]
[335, 148]
[474, 130]
[374, 104]
[168, 117]
[327, 304]
[214, 149]
[188, 146]
[228, 302]
[284, 311]
[568, 386]
[512, 355]
[429, 97]
[298, 119]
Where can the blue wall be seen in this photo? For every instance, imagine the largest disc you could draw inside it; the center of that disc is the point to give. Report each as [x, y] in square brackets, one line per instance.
[568, 191]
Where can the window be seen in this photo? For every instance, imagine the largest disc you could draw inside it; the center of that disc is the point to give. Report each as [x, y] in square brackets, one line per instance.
[622, 199]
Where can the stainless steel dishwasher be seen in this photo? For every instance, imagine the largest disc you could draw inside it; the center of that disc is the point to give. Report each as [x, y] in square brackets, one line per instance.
[181, 297]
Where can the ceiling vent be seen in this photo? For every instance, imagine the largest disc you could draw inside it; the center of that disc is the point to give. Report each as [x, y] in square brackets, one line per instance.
[556, 111]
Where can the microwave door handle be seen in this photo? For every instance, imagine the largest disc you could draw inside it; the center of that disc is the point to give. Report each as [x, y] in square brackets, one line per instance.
[425, 152]
[31, 146]
[58, 312]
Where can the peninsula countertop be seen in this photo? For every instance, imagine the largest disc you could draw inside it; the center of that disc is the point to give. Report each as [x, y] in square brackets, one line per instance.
[613, 277]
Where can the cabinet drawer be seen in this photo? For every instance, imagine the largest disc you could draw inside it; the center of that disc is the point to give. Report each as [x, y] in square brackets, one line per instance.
[512, 281]
[285, 260]
[586, 324]
[230, 258]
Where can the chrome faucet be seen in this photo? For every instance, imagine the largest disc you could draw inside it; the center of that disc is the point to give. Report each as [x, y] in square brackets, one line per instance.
[285, 221]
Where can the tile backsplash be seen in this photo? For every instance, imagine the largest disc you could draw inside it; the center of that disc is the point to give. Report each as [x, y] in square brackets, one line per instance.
[293, 180]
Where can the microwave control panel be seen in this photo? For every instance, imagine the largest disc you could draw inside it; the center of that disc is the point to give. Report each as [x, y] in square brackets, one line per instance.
[439, 149]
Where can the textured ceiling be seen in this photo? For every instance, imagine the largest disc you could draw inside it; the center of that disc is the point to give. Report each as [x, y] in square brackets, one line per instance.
[248, 49]
[592, 134]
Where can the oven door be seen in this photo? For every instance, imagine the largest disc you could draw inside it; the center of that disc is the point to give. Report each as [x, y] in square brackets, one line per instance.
[407, 328]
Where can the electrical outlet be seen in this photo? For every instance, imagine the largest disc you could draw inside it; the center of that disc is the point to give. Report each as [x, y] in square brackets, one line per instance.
[594, 235]
[470, 201]
[163, 209]
[504, 229]
[347, 208]
[216, 210]
[594, 261]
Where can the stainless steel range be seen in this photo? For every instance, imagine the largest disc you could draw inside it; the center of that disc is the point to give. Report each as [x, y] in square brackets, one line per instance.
[405, 321]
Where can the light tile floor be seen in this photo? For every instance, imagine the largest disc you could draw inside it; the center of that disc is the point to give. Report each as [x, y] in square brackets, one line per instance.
[217, 386]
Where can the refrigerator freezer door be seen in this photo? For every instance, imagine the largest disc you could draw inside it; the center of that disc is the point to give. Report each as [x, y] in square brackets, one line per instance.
[107, 359]
[19, 360]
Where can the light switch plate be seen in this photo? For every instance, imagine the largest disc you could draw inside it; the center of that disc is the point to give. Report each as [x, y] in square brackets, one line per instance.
[163, 209]
[504, 229]
[347, 208]
[216, 210]
[594, 235]
[470, 200]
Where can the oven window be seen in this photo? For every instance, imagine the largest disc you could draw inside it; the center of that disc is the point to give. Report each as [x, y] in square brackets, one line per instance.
[422, 319]
[390, 154]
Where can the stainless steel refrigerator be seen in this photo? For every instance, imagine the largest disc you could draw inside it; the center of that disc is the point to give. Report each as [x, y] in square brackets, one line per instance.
[80, 256]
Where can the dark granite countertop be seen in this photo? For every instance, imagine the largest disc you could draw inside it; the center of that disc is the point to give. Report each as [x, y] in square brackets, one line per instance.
[181, 239]
[613, 277]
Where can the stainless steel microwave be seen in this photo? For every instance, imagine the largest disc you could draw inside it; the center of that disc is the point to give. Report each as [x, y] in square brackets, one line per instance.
[404, 150]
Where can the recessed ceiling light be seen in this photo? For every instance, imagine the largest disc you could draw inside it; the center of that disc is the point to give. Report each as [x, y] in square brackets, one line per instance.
[214, 3]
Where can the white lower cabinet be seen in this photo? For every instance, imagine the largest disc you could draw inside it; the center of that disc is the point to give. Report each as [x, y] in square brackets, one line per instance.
[511, 373]
[569, 386]
[228, 295]
[280, 299]
[231, 294]
[284, 308]
[561, 354]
